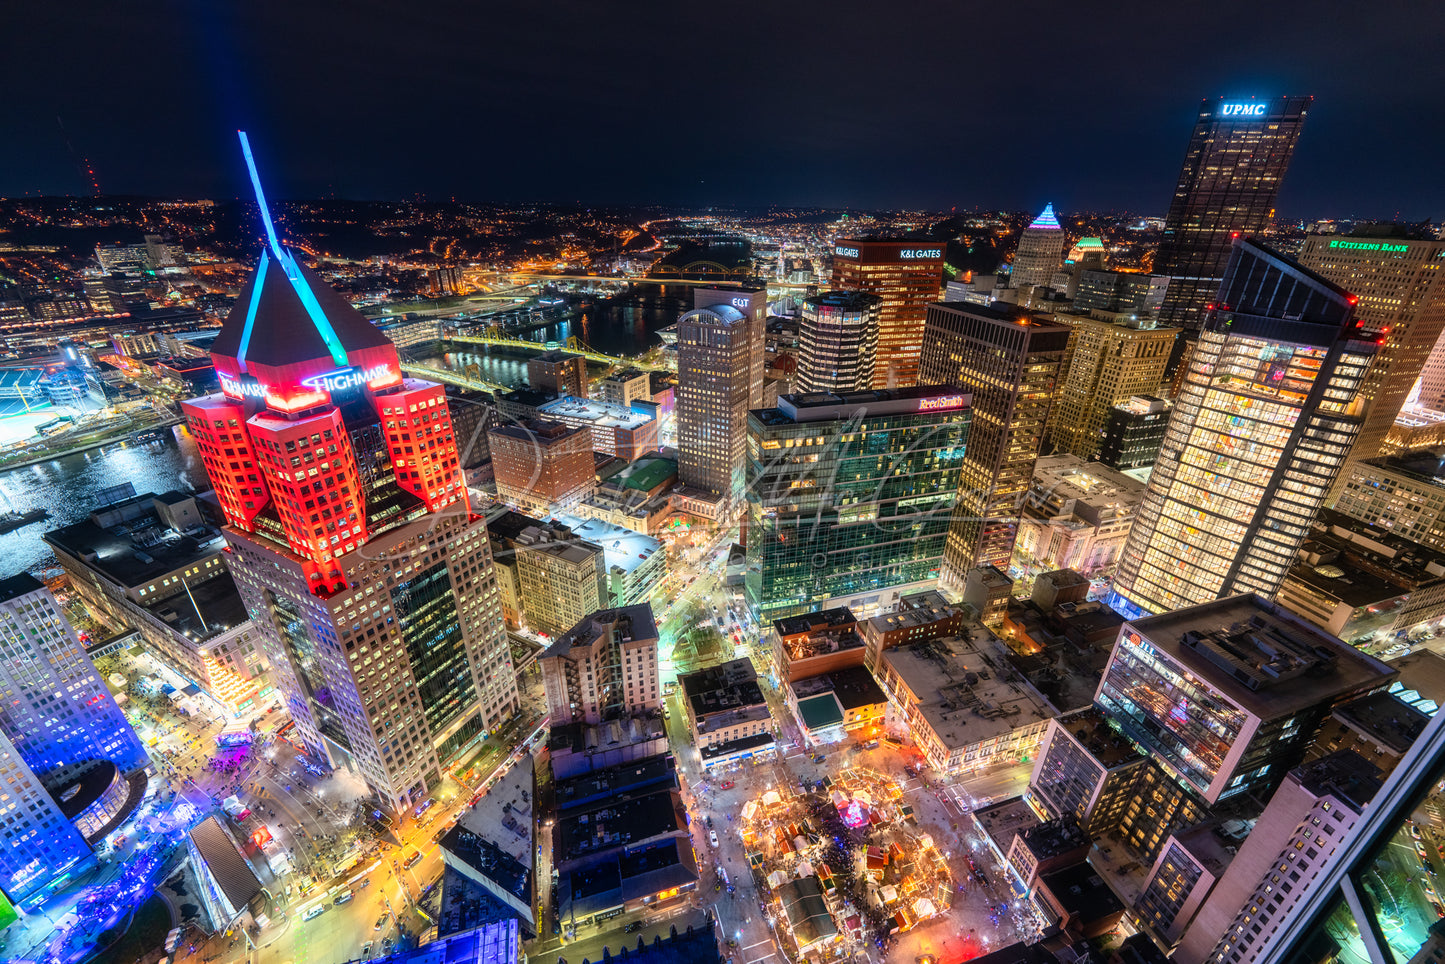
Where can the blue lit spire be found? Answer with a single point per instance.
(289, 268)
(1045, 220)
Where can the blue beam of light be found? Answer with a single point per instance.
(289, 267)
(251, 309)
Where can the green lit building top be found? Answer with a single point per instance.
(849, 496)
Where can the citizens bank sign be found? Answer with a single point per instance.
(1242, 110)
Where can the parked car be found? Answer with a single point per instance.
(712, 837)
(314, 912)
(726, 785)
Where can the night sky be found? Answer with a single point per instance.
(885, 104)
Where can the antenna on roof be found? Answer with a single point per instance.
(289, 266)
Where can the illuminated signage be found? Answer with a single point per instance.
(911, 254)
(242, 387)
(1370, 246)
(344, 378)
(741, 303)
(941, 404)
(1242, 110)
(843, 252)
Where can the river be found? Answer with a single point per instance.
(71, 486)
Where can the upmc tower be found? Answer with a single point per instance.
(351, 538)
(1237, 157)
(907, 276)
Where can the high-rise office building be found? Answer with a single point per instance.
(1268, 412)
(1107, 363)
(1397, 279)
(1009, 361)
(58, 713)
(714, 386)
(561, 578)
(1133, 432)
(541, 465)
(752, 301)
(1040, 251)
(625, 387)
(849, 497)
(1236, 159)
(353, 546)
(1312, 812)
(838, 342)
(59, 723)
(559, 372)
(603, 668)
(1404, 495)
(907, 276)
(1229, 694)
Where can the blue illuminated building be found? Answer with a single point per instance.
(59, 726)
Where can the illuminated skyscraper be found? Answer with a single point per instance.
(1009, 360)
(838, 342)
(907, 276)
(1040, 251)
(753, 303)
(1269, 410)
(59, 722)
(352, 542)
(714, 384)
(1232, 170)
(849, 497)
(1397, 280)
(1108, 363)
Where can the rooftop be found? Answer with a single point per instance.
(1344, 774)
(725, 688)
(595, 412)
(1252, 651)
(616, 781)
(536, 431)
(1004, 820)
(225, 862)
(918, 609)
(466, 904)
(19, 585)
(623, 550)
(139, 547)
(493, 838)
(966, 691)
(1090, 728)
(495, 942)
(628, 622)
(824, 406)
(647, 473)
(1054, 837)
(1081, 892)
(817, 620)
(623, 822)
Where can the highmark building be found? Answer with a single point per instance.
(850, 497)
(352, 541)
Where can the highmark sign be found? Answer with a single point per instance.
(242, 387)
(344, 378)
(1241, 110)
(1384, 246)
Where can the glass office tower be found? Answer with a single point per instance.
(849, 496)
(1269, 411)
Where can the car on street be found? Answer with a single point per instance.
(314, 912)
(381, 922)
(726, 785)
(342, 897)
(632, 928)
(366, 949)
(412, 859)
(712, 837)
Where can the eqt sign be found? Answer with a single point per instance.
(1241, 110)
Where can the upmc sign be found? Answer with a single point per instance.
(1242, 110)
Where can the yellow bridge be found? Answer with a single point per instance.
(493, 337)
(471, 375)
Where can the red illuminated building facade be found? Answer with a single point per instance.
(351, 538)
